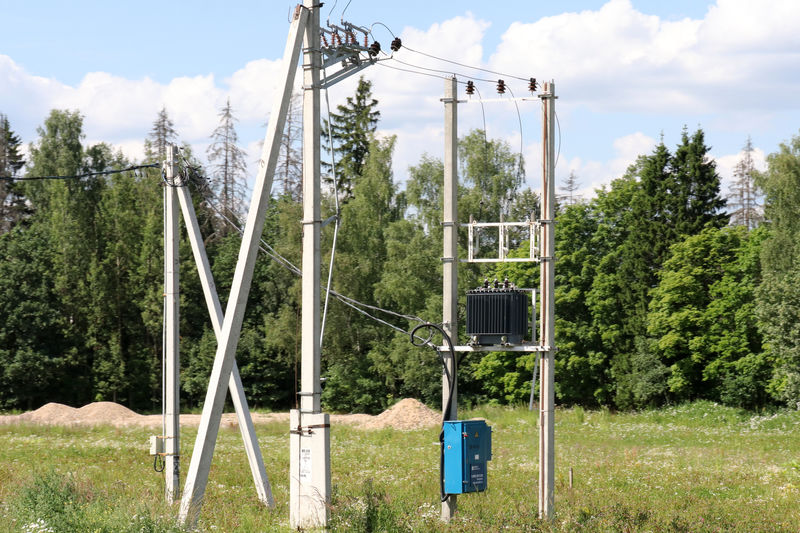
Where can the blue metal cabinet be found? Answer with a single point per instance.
(467, 448)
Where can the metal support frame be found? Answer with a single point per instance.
(172, 483)
(547, 313)
(203, 452)
(450, 249)
(502, 242)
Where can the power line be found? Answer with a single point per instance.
(79, 176)
(272, 253)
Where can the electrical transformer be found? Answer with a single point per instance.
(467, 448)
(497, 315)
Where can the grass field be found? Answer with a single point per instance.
(696, 467)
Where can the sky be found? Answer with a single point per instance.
(627, 73)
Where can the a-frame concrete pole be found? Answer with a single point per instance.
(450, 256)
(235, 386)
(547, 312)
(197, 477)
(309, 439)
(172, 482)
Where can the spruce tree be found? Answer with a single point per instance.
(228, 166)
(162, 134)
(352, 129)
(12, 202)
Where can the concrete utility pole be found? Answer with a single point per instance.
(172, 485)
(450, 257)
(547, 312)
(309, 439)
(200, 465)
(235, 386)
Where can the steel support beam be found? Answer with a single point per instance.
(203, 452)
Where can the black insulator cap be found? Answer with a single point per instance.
(532, 85)
(374, 48)
(396, 44)
(470, 88)
(501, 86)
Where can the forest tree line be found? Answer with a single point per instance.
(668, 289)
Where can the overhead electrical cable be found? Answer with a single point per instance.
(79, 176)
(268, 250)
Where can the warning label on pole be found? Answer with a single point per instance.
(305, 463)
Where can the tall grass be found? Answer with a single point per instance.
(694, 467)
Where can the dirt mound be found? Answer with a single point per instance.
(405, 414)
(104, 413)
(51, 414)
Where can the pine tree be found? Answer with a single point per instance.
(12, 202)
(568, 188)
(743, 196)
(162, 134)
(352, 128)
(228, 166)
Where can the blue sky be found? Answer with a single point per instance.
(626, 72)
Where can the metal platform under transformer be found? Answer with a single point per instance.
(497, 348)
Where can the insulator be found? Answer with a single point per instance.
(470, 88)
(325, 40)
(366, 42)
(351, 37)
(532, 85)
(374, 48)
(496, 284)
(501, 87)
(505, 283)
(337, 39)
(396, 44)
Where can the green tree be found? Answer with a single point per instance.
(12, 202)
(778, 296)
(352, 128)
(361, 257)
(703, 325)
(162, 134)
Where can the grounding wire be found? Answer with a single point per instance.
(336, 219)
(79, 176)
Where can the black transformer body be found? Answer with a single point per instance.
(497, 315)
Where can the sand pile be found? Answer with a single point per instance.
(404, 415)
